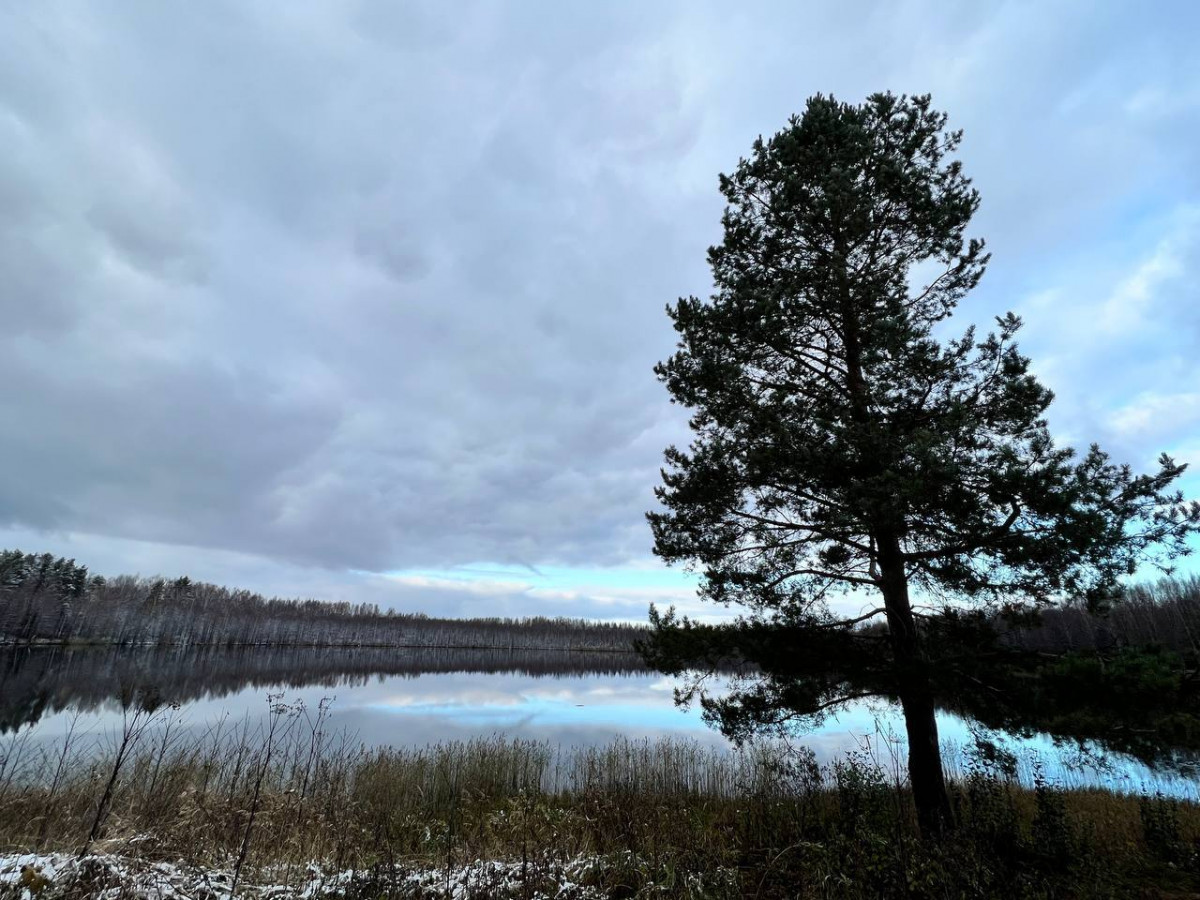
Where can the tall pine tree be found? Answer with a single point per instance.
(839, 445)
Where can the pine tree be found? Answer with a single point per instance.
(839, 445)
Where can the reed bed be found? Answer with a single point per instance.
(270, 801)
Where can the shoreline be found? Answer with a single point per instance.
(666, 819)
(247, 645)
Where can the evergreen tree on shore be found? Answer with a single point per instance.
(840, 446)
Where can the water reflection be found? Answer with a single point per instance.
(426, 696)
(383, 696)
(38, 681)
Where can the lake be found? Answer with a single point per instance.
(420, 697)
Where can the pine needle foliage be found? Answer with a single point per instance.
(840, 444)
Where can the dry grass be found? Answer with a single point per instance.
(670, 817)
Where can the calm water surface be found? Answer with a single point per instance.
(419, 697)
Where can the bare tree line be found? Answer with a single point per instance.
(1163, 613)
(47, 599)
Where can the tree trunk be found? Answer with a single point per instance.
(934, 815)
(925, 775)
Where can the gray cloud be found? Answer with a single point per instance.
(376, 286)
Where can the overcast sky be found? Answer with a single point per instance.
(360, 301)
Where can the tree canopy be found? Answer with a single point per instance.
(840, 443)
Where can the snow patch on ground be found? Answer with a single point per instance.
(46, 876)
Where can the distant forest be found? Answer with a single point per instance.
(1164, 613)
(47, 599)
(52, 600)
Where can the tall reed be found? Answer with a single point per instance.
(281, 795)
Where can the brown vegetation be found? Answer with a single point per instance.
(669, 818)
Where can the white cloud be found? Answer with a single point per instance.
(1132, 301)
(292, 293)
(1152, 415)
(465, 585)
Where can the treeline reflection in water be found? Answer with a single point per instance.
(419, 697)
(35, 682)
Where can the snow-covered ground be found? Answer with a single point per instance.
(46, 876)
